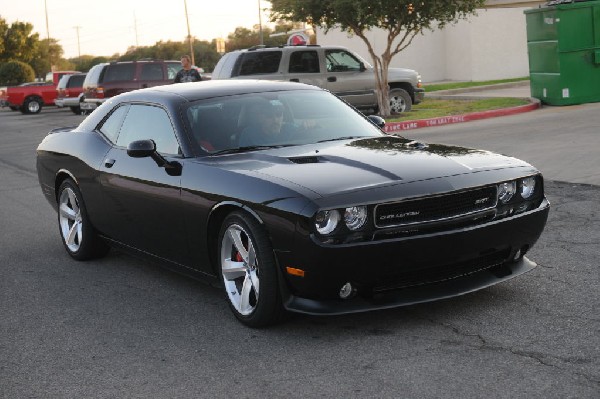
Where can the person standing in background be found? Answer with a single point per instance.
(187, 73)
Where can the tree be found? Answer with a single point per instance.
(402, 19)
(17, 42)
(14, 73)
(205, 53)
(49, 54)
(86, 62)
(243, 38)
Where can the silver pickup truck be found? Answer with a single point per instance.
(333, 68)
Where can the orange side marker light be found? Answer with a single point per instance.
(295, 272)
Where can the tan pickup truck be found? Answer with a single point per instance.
(334, 68)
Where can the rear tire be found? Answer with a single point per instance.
(249, 271)
(32, 106)
(76, 110)
(76, 231)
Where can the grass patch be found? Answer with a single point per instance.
(464, 85)
(433, 108)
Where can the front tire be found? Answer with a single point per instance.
(76, 231)
(76, 110)
(400, 101)
(248, 271)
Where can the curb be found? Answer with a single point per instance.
(394, 127)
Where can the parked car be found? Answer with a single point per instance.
(70, 92)
(107, 80)
(334, 68)
(328, 216)
(29, 98)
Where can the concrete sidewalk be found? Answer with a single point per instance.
(514, 89)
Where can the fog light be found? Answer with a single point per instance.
(346, 291)
(517, 255)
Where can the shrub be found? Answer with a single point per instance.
(15, 72)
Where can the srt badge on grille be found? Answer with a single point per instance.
(481, 201)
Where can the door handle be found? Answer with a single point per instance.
(332, 79)
(109, 162)
(295, 80)
(144, 86)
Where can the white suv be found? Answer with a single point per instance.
(333, 68)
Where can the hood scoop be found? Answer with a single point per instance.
(417, 145)
(305, 160)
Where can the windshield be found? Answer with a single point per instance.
(273, 119)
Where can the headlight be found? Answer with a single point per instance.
(355, 217)
(506, 191)
(326, 221)
(527, 187)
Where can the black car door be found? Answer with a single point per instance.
(142, 202)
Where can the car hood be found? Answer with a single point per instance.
(395, 74)
(339, 167)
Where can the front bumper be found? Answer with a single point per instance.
(408, 270)
(412, 295)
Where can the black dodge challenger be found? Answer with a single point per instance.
(288, 199)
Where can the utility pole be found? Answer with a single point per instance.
(47, 26)
(78, 44)
(137, 42)
(48, 35)
(260, 24)
(189, 34)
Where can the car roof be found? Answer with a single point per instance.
(217, 88)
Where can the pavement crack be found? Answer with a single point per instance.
(540, 358)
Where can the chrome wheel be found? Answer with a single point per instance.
(240, 269)
(76, 231)
(33, 106)
(70, 221)
(400, 101)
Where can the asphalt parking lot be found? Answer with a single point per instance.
(122, 327)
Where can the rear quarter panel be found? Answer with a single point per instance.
(74, 154)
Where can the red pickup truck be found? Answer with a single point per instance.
(30, 98)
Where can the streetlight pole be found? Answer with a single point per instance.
(189, 34)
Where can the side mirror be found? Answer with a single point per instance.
(377, 121)
(147, 148)
(141, 148)
(362, 67)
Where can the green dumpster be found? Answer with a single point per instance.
(563, 43)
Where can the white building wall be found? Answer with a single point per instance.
(490, 45)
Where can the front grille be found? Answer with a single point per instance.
(409, 278)
(437, 208)
(302, 160)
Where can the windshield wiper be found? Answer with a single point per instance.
(250, 148)
(342, 138)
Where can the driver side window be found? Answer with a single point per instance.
(149, 122)
(341, 61)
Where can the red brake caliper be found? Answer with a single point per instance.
(238, 257)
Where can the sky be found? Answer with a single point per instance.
(107, 27)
